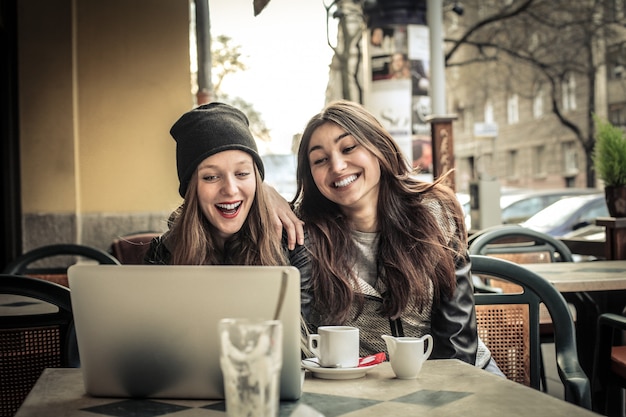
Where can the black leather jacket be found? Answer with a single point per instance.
(158, 253)
(453, 320)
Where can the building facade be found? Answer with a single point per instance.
(524, 91)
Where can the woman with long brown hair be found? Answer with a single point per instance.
(388, 252)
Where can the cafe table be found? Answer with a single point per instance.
(593, 287)
(569, 277)
(443, 388)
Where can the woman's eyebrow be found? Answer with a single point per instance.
(337, 139)
(215, 166)
(343, 135)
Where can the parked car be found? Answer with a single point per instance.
(464, 199)
(590, 232)
(520, 206)
(568, 214)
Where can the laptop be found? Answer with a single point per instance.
(151, 331)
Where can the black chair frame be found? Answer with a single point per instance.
(21, 263)
(22, 362)
(606, 385)
(486, 242)
(480, 243)
(49, 292)
(537, 290)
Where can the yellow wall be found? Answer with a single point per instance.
(101, 82)
(45, 106)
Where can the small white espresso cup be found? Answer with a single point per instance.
(335, 346)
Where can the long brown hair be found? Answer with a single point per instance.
(417, 250)
(192, 239)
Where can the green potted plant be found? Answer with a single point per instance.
(609, 158)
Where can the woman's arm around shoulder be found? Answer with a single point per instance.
(283, 217)
(301, 259)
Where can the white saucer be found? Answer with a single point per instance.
(335, 373)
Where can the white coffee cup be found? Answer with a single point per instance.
(335, 346)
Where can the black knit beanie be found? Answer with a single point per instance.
(207, 130)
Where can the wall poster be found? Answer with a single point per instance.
(398, 58)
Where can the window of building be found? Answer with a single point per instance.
(538, 100)
(454, 21)
(533, 42)
(568, 92)
(483, 10)
(614, 10)
(512, 109)
(617, 114)
(616, 63)
(471, 167)
(454, 72)
(468, 121)
(511, 164)
(570, 159)
(489, 112)
(539, 161)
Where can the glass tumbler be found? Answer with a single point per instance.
(251, 360)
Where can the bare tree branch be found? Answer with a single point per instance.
(534, 40)
(495, 18)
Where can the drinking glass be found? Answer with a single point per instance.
(251, 360)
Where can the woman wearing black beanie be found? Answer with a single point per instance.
(225, 218)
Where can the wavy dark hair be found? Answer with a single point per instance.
(256, 243)
(417, 251)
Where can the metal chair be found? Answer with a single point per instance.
(57, 274)
(520, 245)
(509, 326)
(36, 332)
(609, 371)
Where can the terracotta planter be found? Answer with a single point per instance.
(616, 200)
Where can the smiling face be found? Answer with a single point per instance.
(344, 171)
(226, 190)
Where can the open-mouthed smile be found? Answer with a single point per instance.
(228, 208)
(346, 181)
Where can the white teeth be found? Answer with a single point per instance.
(232, 206)
(346, 181)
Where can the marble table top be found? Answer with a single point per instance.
(443, 388)
(583, 276)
